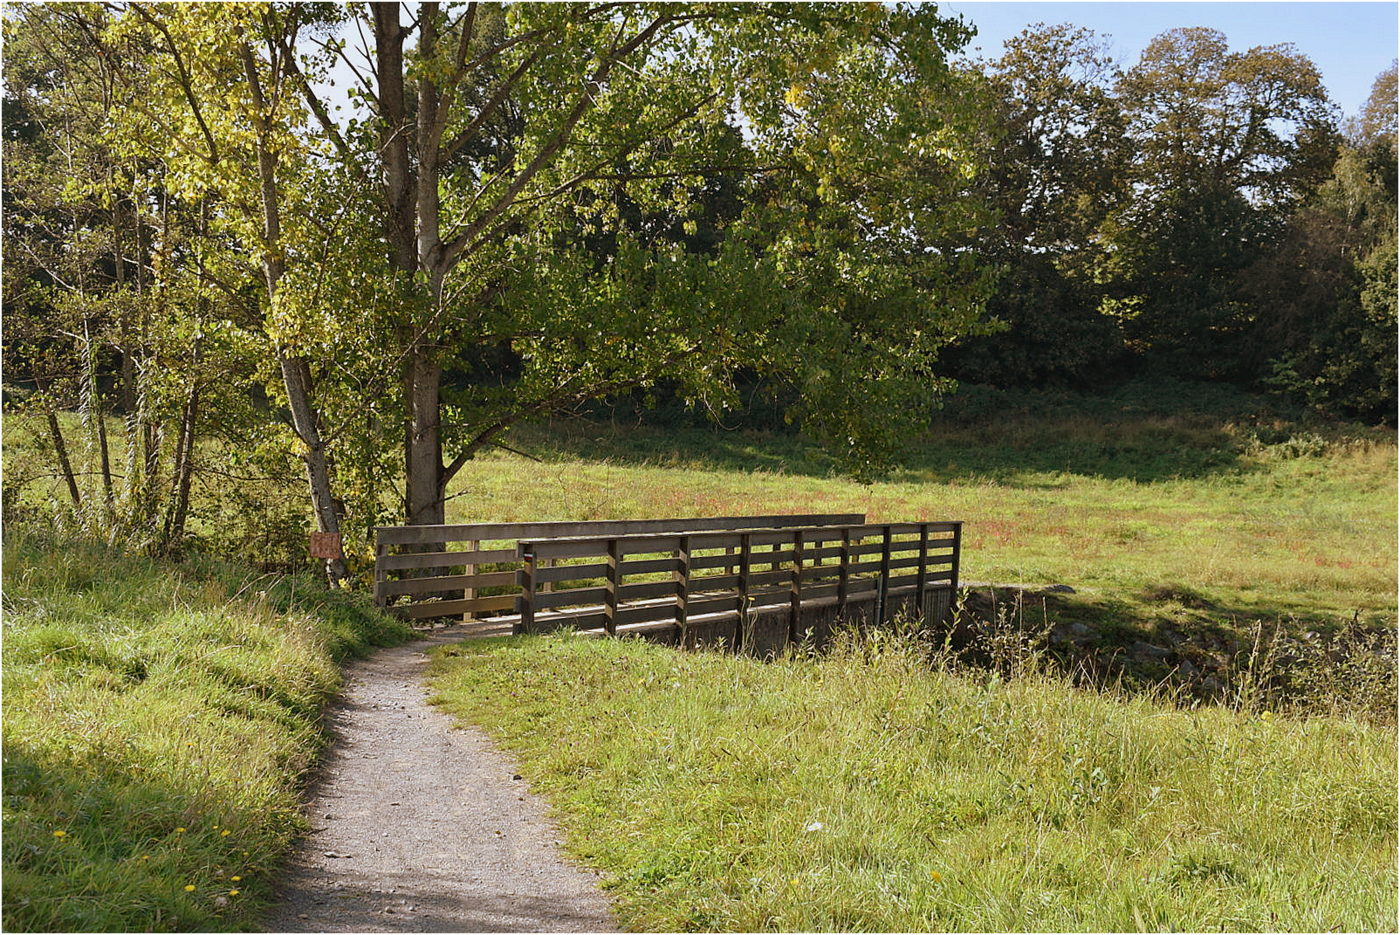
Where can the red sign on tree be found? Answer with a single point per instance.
(326, 545)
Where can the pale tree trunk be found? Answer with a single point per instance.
(296, 374)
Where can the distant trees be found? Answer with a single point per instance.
(1225, 145)
(1199, 211)
(1330, 286)
(1056, 173)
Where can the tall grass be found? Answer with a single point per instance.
(158, 721)
(869, 790)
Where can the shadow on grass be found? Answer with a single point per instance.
(1172, 640)
(130, 846)
(1145, 432)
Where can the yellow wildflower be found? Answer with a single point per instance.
(179, 830)
(233, 892)
(235, 879)
(224, 833)
(60, 834)
(935, 875)
(189, 887)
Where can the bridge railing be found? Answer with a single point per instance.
(722, 580)
(470, 570)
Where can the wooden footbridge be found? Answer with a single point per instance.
(752, 582)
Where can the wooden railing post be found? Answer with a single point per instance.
(745, 554)
(921, 583)
(381, 574)
(682, 579)
(795, 598)
(610, 589)
(469, 593)
(527, 590)
(957, 552)
(882, 599)
(843, 579)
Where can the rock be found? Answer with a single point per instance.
(1080, 630)
(1057, 589)
(1211, 684)
(1187, 669)
(1149, 651)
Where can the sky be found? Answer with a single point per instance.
(1351, 43)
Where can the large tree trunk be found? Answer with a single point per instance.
(423, 495)
(410, 227)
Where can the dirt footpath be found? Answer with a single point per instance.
(418, 826)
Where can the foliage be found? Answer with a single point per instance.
(867, 789)
(1056, 172)
(1226, 144)
(1331, 287)
(159, 720)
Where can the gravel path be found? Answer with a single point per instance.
(418, 826)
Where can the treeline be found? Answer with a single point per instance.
(1204, 212)
(345, 244)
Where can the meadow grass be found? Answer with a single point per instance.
(159, 719)
(868, 789)
(1128, 497)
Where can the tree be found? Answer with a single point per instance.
(1329, 337)
(492, 130)
(1055, 174)
(1226, 145)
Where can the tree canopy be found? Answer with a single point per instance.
(373, 238)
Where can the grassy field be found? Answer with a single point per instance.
(867, 790)
(159, 719)
(1120, 495)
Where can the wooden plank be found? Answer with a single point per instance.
(527, 593)
(633, 545)
(571, 572)
(614, 575)
(646, 566)
(758, 579)
(713, 561)
(571, 597)
(380, 575)
(413, 535)
(452, 608)
(646, 589)
(646, 613)
(446, 559)
(682, 582)
(795, 598)
(707, 604)
(700, 583)
(492, 579)
(583, 620)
